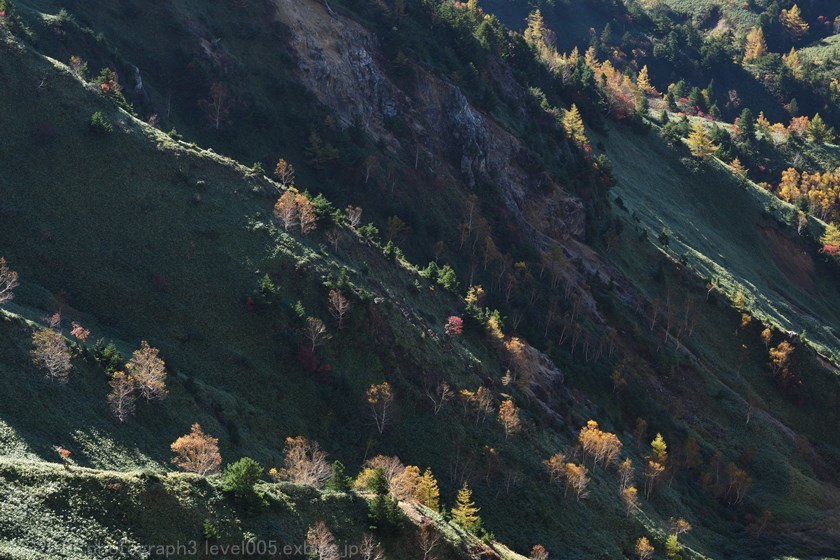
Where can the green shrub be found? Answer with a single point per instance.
(99, 124)
(107, 356)
(339, 481)
(210, 532)
(384, 514)
(448, 279)
(239, 478)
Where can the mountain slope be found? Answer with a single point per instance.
(142, 237)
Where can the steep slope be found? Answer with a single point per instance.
(189, 239)
(107, 208)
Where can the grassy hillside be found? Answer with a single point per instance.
(726, 232)
(51, 512)
(139, 236)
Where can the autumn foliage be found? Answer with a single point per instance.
(294, 209)
(51, 353)
(197, 452)
(304, 462)
(603, 447)
(148, 372)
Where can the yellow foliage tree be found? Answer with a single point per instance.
(465, 512)
(659, 449)
(700, 143)
(643, 81)
(793, 63)
(793, 23)
(573, 125)
(756, 45)
(427, 492)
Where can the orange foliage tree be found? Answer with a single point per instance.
(197, 452)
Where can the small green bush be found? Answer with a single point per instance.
(339, 481)
(239, 478)
(99, 124)
(385, 514)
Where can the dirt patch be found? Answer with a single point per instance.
(796, 264)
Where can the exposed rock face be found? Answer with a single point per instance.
(335, 61)
(339, 61)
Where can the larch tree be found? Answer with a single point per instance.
(427, 491)
(379, 398)
(509, 417)
(465, 512)
(285, 172)
(795, 26)
(818, 132)
(793, 63)
(659, 449)
(148, 372)
(643, 81)
(286, 210)
(756, 45)
(673, 548)
(339, 306)
(536, 33)
(404, 485)
(122, 397)
(700, 143)
(304, 462)
(197, 452)
(573, 125)
(8, 282)
(51, 353)
(738, 168)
